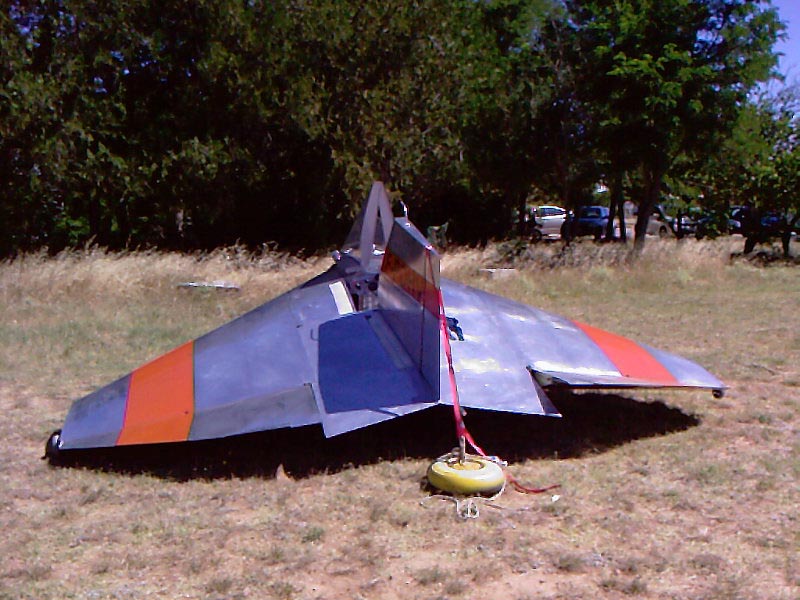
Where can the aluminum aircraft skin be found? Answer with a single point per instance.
(359, 344)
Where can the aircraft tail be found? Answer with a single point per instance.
(408, 295)
(389, 347)
(372, 228)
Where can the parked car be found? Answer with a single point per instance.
(736, 218)
(720, 222)
(664, 225)
(773, 222)
(592, 220)
(544, 222)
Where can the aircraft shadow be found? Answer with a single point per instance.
(591, 423)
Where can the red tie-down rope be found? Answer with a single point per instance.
(461, 429)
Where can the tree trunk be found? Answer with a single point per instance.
(623, 227)
(617, 208)
(786, 236)
(612, 214)
(522, 207)
(652, 191)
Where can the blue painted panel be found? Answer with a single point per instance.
(362, 365)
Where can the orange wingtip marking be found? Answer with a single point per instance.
(160, 403)
(629, 357)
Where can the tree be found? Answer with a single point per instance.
(134, 122)
(388, 88)
(201, 123)
(194, 124)
(529, 135)
(774, 174)
(671, 77)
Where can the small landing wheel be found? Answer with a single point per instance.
(52, 449)
(475, 475)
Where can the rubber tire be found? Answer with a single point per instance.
(475, 476)
(52, 449)
(536, 236)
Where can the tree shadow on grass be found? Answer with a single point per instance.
(591, 423)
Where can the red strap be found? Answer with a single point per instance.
(527, 490)
(461, 428)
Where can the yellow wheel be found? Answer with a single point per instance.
(476, 475)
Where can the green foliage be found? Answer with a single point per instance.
(383, 86)
(774, 173)
(178, 124)
(669, 78)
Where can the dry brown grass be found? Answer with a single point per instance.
(665, 494)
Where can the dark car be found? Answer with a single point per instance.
(772, 222)
(592, 220)
(713, 223)
(735, 221)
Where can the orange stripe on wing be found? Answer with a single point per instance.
(629, 357)
(160, 402)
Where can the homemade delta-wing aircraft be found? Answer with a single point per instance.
(360, 344)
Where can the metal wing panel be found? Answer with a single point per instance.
(150, 413)
(290, 408)
(503, 336)
(259, 360)
(490, 364)
(254, 373)
(636, 365)
(688, 373)
(95, 421)
(366, 375)
(362, 365)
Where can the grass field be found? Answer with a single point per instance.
(664, 494)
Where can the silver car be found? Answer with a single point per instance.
(664, 225)
(544, 222)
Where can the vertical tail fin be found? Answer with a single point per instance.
(408, 294)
